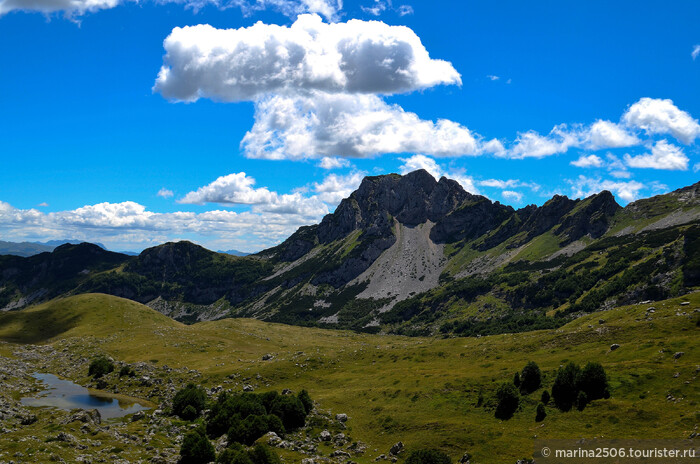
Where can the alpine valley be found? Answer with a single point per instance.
(394, 327)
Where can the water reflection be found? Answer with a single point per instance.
(64, 394)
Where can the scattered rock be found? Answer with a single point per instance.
(614, 346)
(685, 303)
(325, 436)
(248, 388)
(138, 416)
(466, 457)
(396, 449)
(678, 354)
(341, 417)
(267, 357)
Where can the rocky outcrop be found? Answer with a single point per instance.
(591, 217)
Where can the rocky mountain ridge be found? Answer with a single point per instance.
(402, 253)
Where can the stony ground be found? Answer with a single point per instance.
(31, 435)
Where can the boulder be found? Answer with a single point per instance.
(396, 449)
(614, 346)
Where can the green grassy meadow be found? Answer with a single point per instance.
(422, 391)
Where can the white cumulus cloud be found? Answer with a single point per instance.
(590, 161)
(328, 162)
(606, 134)
(334, 187)
(663, 155)
(696, 52)
(358, 126)
(247, 63)
(658, 116)
(165, 193)
(512, 195)
(626, 191)
(416, 162)
(237, 189)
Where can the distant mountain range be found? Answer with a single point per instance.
(409, 255)
(34, 248)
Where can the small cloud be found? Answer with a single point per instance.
(165, 193)
(696, 168)
(328, 162)
(509, 81)
(512, 195)
(621, 174)
(591, 161)
(493, 78)
(43, 204)
(404, 10)
(696, 52)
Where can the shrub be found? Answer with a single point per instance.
(564, 390)
(581, 400)
(306, 401)
(516, 379)
(236, 454)
(545, 397)
(262, 454)
(100, 366)
(575, 386)
(233, 456)
(508, 400)
(126, 371)
(193, 396)
(541, 413)
(593, 381)
(428, 456)
(196, 448)
(290, 409)
(189, 413)
(531, 377)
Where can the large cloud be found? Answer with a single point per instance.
(323, 124)
(663, 155)
(237, 189)
(657, 116)
(247, 63)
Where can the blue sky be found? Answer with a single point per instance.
(121, 125)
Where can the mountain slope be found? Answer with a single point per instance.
(413, 255)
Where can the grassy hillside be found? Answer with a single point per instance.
(422, 391)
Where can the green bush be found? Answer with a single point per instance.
(508, 401)
(428, 456)
(100, 366)
(576, 386)
(306, 401)
(291, 410)
(262, 454)
(531, 378)
(192, 396)
(581, 400)
(236, 454)
(541, 413)
(196, 448)
(545, 397)
(564, 390)
(516, 379)
(593, 381)
(126, 371)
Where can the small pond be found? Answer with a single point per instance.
(64, 394)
